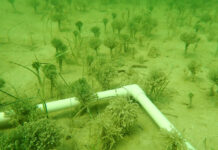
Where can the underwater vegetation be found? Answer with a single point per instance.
(174, 141)
(56, 49)
(156, 85)
(121, 117)
(83, 92)
(213, 76)
(41, 134)
(188, 38)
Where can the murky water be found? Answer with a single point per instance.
(56, 49)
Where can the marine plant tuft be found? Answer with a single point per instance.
(188, 38)
(156, 84)
(111, 43)
(37, 135)
(96, 31)
(95, 43)
(117, 121)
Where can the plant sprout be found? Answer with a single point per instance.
(133, 28)
(105, 22)
(125, 38)
(153, 52)
(69, 2)
(206, 18)
(118, 25)
(50, 73)
(83, 92)
(213, 76)
(216, 53)
(95, 43)
(81, 5)
(114, 15)
(2, 83)
(75, 34)
(194, 68)
(188, 38)
(96, 31)
(196, 43)
(59, 17)
(61, 49)
(60, 56)
(58, 44)
(148, 25)
(36, 65)
(197, 26)
(134, 25)
(190, 95)
(128, 13)
(111, 43)
(34, 4)
(79, 25)
(89, 60)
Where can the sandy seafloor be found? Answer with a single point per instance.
(198, 124)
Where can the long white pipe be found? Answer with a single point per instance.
(132, 90)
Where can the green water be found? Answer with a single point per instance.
(56, 49)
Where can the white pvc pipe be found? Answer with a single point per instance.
(132, 90)
(3, 118)
(73, 102)
(112, 93)
(153, 111)
(69, 102)
(60, 104)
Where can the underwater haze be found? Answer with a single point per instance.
(56, 49)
